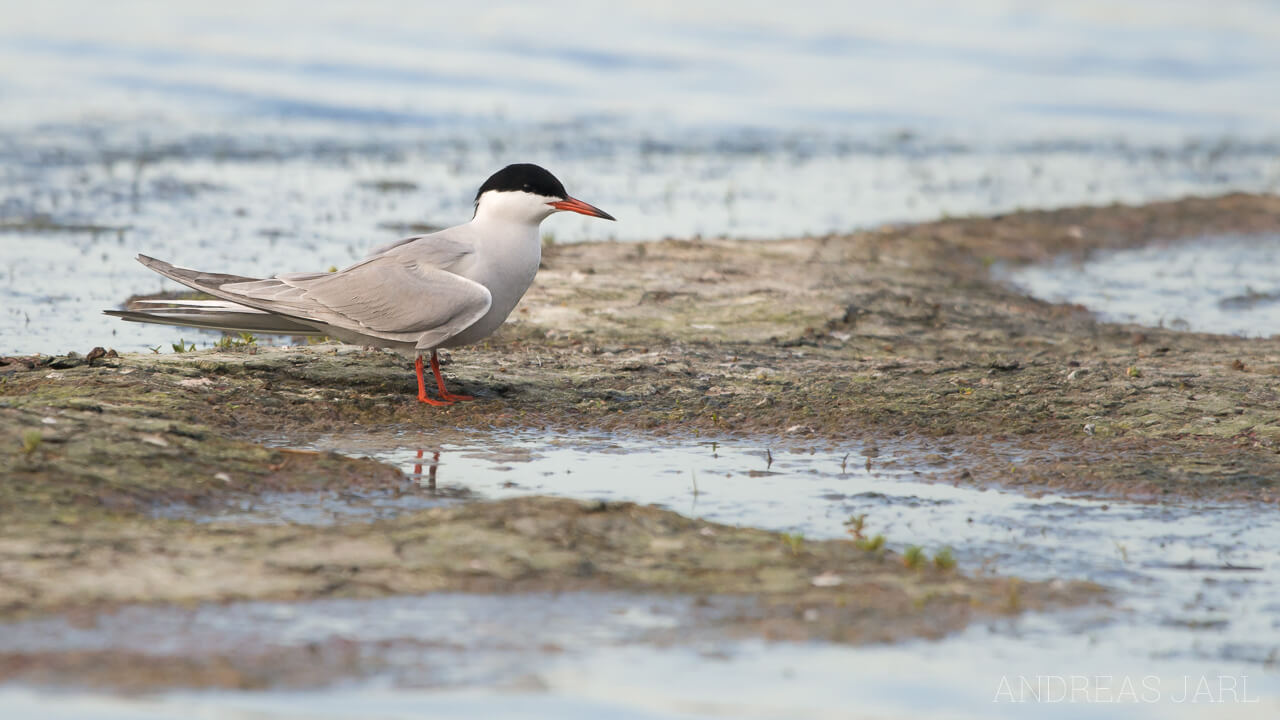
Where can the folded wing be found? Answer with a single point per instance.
(390, 296)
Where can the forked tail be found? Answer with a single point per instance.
(213, 315)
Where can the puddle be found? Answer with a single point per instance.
(1228, 285)
(314, 508)
(438, 640)
(1195, 603)
(1197, 582)
(1181, 569)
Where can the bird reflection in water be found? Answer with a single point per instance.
(430, 481)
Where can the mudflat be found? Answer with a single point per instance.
(901, 332)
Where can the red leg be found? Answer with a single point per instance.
(422, 383)
(435, 368)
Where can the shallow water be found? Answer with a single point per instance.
(255, 140)
(439, 640)
(743, 680)
(1180, 567)
(1196, 587)
(317, 508)
(1228, 285)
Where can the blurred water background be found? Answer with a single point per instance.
(257, 137)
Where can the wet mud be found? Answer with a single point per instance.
(832, 590)
(898, 333)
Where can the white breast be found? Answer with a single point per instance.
(505, 262)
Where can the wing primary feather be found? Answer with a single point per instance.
(389, 296)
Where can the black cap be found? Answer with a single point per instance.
(524, 177)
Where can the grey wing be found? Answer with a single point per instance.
(389, 296)
(441, 249)
(386, 296)
(388, 247)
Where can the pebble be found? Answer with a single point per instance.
(826, 579)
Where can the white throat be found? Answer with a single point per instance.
(512, 207)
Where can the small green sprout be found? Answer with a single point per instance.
(913, 558)
(870, 544)
(1013, 597)
(944, 560)
(855, 524)
(794, 541)
(244, 339)
(31, 440)
(182, 346)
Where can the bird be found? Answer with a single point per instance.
(414, 296)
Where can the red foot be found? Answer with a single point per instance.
(422, 384)
(445, 394)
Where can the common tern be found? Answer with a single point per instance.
(447, 289)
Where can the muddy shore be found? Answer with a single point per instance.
(898, 333)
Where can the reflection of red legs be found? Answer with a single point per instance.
(444, 394)
(422, 383)
(431, 473)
